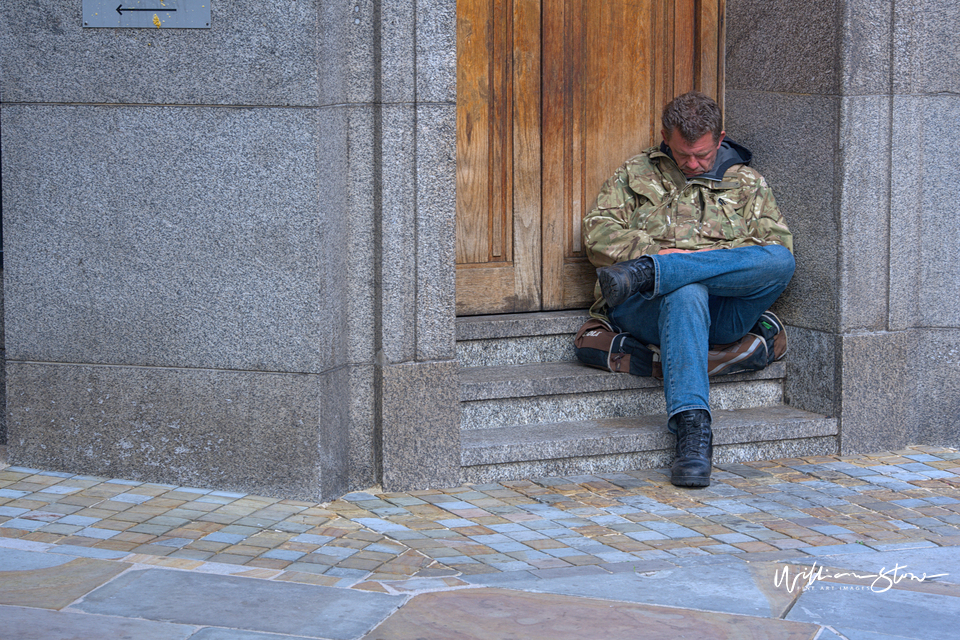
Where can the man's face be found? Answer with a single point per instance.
(693, 158)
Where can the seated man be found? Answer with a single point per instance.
(691, 249)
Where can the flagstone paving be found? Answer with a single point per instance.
(812, 506)
(97, 551)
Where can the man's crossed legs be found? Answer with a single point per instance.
(691, 301)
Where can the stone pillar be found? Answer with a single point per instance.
(417, 373)
(173, 218)
(851, 112)
(924, 272)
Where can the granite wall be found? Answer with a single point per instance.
(219, 240)
(3, 369)
(852, 110)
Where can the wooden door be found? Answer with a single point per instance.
(552, 96)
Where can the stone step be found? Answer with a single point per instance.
(517, 338)
(528, 394)
(553, 378)
(616, 443)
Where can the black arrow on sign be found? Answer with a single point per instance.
(121, 9)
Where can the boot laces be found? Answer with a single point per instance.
(694, 440)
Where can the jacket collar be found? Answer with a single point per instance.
(729, 154)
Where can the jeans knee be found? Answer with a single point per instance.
(689, 299)
(781, 261)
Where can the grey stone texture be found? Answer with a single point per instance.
(879, 399)
(863, 180)
(782, 47)
(654, 459)
(268, 199)
(787, 135)
(436, 50)
(925, 51)
(397, 282)
(520, 324)
(170, 236)
(348, 51)
(518, 338)
(508, 410)
(864, 203)
(349, 451)
(813, 379)
(397, 56)
(419, 426)
(555, 378)
(253, 54)
(184, 597)
(233, 430)
(938, 385)
(353, 240)
(436, 230)
(492, 352)
(3, 366)
(640, 434)
(866, 44)
(925, 234)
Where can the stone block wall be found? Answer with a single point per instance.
(852, 112)
(163, 236)
(228, 247)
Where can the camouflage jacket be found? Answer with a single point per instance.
(649, 205)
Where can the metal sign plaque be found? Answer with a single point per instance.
(147, 14)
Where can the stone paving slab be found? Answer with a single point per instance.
(494, 614)
(40, 624)
(732, 587)
(55, 587)
(913, 615)
(191, 598)
(855, 634)
(900, 566)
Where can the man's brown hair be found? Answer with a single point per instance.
(693, 114)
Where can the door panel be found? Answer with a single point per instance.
(553, 95)
(498, 156)
(598, 97)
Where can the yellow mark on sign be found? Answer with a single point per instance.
(156, 20)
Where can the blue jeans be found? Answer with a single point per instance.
(699, 299)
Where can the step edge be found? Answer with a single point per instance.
(558, 378)
(516, 325)
(650, 435)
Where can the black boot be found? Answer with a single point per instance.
(620, 281)
(691, 467)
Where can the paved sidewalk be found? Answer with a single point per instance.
(574, 557)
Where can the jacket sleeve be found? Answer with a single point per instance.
(767, 225)
(612, 230)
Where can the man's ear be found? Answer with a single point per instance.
(663, 134)
(720, 141)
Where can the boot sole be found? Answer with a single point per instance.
(690, 481)
(612, 287)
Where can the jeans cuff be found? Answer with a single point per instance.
(653, 293)
(686, 408)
